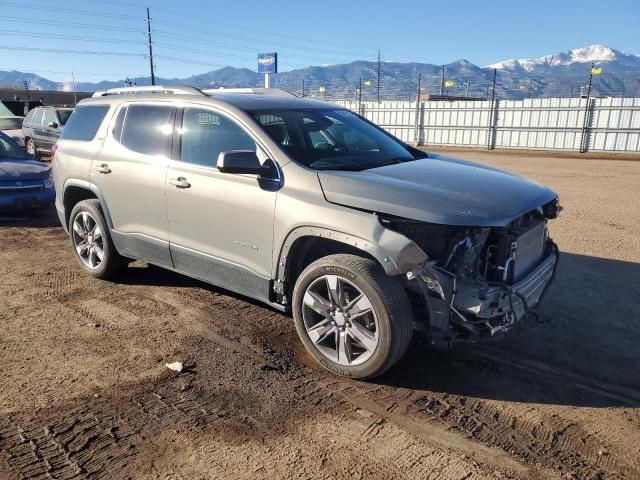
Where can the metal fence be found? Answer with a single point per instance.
(596, 124)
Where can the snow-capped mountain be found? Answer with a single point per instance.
(598, 54)
(557, 75)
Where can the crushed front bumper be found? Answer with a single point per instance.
(468, 310)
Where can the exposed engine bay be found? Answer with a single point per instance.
(479, 281)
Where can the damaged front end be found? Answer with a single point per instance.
(479, 281)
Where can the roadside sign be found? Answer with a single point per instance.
(367, 83)
(448, 83)
(322, 89)
(596, 70)
(268, 62)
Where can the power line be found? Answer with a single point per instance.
(67, 37)
(76, 52)
(71, 11)
(206, 32)
(91, 26)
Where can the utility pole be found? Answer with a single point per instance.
(73, 82)
(153, 77)
(441, 80)
(492, 111)
(303, 88)
(529, 89)
(360, 97)
(416, 132)
(378, 77)
(466, 89)
(583, 147)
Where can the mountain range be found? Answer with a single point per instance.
(558, 75)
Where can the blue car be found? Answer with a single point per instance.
(25, 183)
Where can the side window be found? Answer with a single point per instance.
(63, 116)
(205, 134)
(148, 129)
(117, 126)
(49, 116)
(29, 116)
(84, 122)
(36, 121)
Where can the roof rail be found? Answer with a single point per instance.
(274, 92)
(174, 89)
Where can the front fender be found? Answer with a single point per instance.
(393, 251)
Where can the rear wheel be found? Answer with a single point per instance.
(31, 149)
(92, 244)
(352, 318)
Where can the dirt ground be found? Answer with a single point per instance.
(84, 392)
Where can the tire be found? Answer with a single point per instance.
(31, 149)
(87, 223)
(388, 325)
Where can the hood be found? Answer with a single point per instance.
(438, 189)
(14, 170)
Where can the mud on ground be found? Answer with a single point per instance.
(84, 392)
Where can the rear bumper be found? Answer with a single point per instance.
(26, 200)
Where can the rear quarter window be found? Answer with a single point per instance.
(84, 122)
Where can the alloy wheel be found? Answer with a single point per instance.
(340, 320)
(31, 147)
(88, 240)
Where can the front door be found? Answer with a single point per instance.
(221, 224)
(49, 133)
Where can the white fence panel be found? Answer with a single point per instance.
(612, 124)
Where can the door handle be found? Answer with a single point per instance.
(104, 168)
(179, 182)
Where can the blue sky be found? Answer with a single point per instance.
(194, 36)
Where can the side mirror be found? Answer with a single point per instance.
(244, 162)
(52, 124)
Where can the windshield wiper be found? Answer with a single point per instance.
(391, 161)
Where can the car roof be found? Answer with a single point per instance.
(243, 101)
(259, 102)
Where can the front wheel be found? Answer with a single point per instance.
(353, 319)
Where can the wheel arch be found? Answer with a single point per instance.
(303, 245)
(76, 190)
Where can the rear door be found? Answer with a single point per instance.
(130, 173)
(221, 224)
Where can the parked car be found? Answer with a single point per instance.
(42, 127)
(25, 183)
(309, 208)
(12, 126)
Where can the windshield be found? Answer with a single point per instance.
(10, 149)
(331, 139)
(64, 115)
(11, 123)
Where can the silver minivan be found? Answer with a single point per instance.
(309, 208)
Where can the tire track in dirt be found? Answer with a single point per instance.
(460, 423)
(322, 390)
(532, 437)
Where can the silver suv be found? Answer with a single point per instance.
(309, 208)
